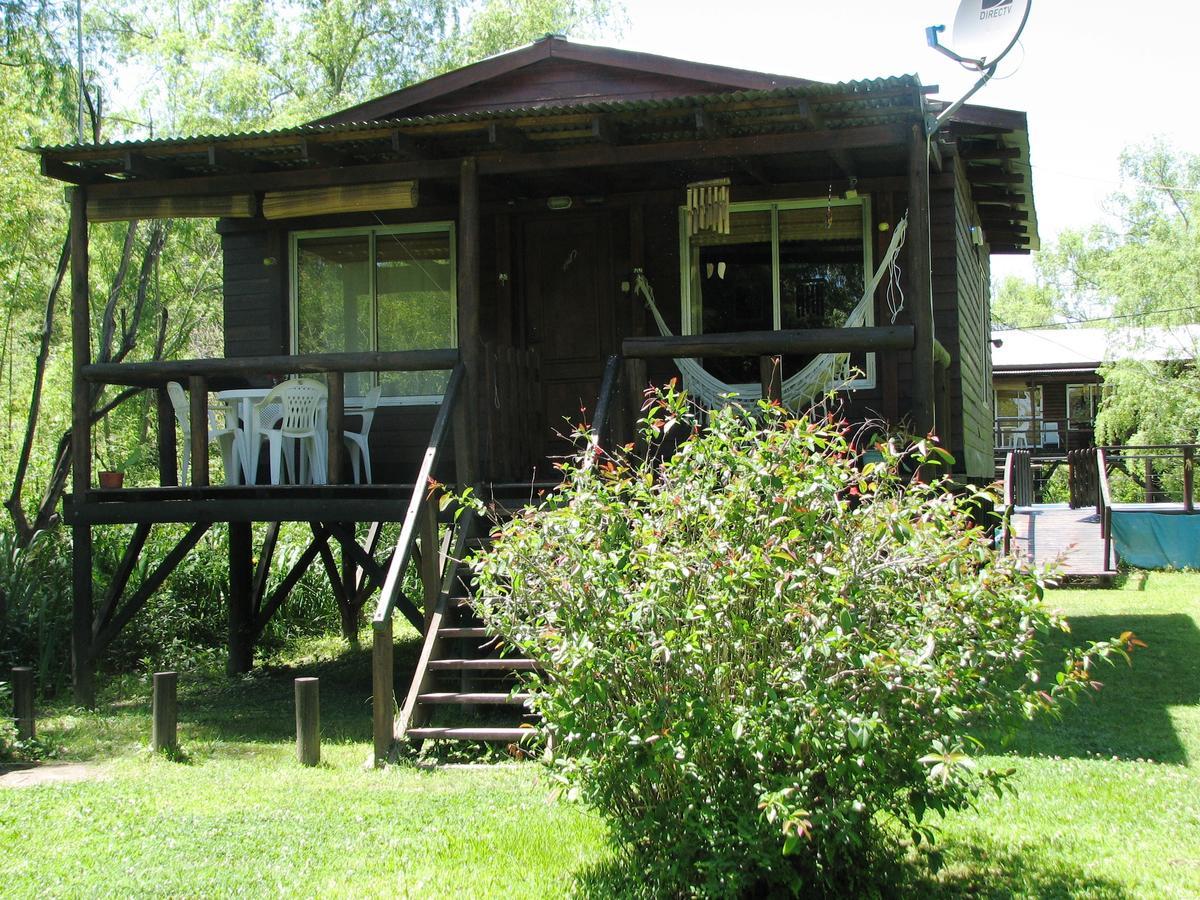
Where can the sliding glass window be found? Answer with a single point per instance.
(376, 289)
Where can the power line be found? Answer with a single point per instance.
(1073, 322)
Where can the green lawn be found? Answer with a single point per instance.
(1109, 801)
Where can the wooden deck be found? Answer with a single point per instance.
(1053, 533)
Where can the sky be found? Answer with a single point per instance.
(1095, 77)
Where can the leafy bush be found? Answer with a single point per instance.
(35, 607)
(766, 658)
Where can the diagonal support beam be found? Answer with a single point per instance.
(263, 570)
(121, 577)
(147, 588)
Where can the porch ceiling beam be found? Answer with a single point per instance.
(815, 120)
(996, 195)
(604, 129)
(1000, 211)
(294, 179)
(706, 125)
(53, 168)
(323, 154)
(1015, 217)
(139, 166)
(231, 160)
(993, 175)
(973, 151)
(406, 146)
(680, 151)
(762, 343)
(511, 140)
(832, 141)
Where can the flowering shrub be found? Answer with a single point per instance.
(766, 658)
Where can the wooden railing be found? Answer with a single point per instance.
(201, 375)
(420, 518)
(1083, 477)
(1152, 460)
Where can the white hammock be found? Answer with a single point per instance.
(821, 375)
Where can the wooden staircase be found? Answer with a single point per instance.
(462, 688)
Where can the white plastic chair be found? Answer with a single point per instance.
(223, 435)
(356, 441)
(302, 402)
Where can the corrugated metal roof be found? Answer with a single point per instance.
(851, 96)
(1028, 351)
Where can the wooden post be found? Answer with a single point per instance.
(168, 464)
(22, 686)
(241, 588)
(198, 419)
(335, 422)
(164, 712)
(1189, 453)
(82, 662)
(469, 440)
(308, 721)
(431, 569)
(383, 702)
(920, 303)
(770, 371)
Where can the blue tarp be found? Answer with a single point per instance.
(1156, 540)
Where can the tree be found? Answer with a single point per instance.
(183, 66)
(1140, 273)
(1023, 304)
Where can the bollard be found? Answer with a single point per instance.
(308, 721)
(164, 710)
(22, 685)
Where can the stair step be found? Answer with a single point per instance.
(464, 632)
(501, 665)
(471, 734)
(490, 699)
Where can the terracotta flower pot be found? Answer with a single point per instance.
(111, 480)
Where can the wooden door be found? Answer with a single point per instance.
(568, 293)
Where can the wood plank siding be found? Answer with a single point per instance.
(971, 374)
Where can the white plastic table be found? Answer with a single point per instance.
(241, 401)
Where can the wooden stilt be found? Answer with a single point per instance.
(241, 613)
(82, 652)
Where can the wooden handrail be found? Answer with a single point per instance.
(153, 374)
(772, 343)
(412, 516)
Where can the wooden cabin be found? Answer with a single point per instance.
(472, 244)
(1047, 381)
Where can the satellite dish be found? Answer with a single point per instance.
(985, 30)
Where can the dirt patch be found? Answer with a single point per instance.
(33, 774)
